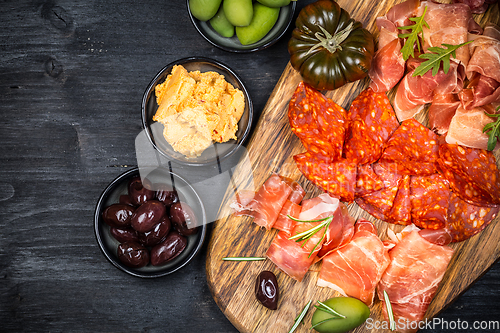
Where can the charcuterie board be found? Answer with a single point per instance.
(271, 149)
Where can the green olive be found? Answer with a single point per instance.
(263, 21)
(355, 312)
(238, 12)
(274, 3)
(221, 24)
(204, 10)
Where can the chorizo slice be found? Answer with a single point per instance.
(414, 148)
(367, 180)
(371, 121)
(429, 196)
(336, 178)
(318, 122)
(473, 173)
(465, 220)
(400, 212)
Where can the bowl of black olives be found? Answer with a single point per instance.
(150, 222)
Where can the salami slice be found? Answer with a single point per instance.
(414, 148)
(371, 122)
(466, 220)
(337, 178)
(318, 122)
(400, 212)
(380, 203)
(473, 173)
(367, 180)
(429, 197)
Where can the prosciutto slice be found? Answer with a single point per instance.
(388, 65)
(295, 258)
(483, 69)
(267, 203)
(356, 268)
(466, 127)
(441, 112)
(411, 280)
(291, 207)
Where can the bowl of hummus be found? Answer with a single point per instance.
(196, 111)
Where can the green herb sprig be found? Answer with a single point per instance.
(305, 235)
(323, 307)
(413, 36)
(300, 317)
(493, 130)
(392, 322)
(434, 60)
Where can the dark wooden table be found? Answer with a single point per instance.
(72, 75)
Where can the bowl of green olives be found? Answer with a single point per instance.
(150, 222)
(241, 25)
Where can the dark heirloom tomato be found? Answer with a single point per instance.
(328, 48)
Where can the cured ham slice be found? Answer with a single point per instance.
(388, 65)
(466, 127)
(411, 280)
(400, 13)
(441, 112)
(415, 91)
(472, 174)
(337, 178)
(414, 149)
(267, 203)
(295, 258)
(371, 122)
(318, 122)
(483, 69)
(356, 268)
(466, 220)
(449, 24)
(290, 208)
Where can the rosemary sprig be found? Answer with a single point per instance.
(243, 258)
(305, 235)
(434, 60)
(413, 36)
(388, 305)
(493, 130)
(299, 318)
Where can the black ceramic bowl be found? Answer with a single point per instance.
(119, 186)
(217, 151)
(232, 44)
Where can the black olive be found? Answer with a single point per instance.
(267, 290)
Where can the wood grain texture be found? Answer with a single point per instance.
(270, 150)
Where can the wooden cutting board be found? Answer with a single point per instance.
(270, 149)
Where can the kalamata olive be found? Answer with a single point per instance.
(183, 218)
(267, 290)
(167, 195)
(124, 235)
(138, 193)
(133, 254)
(157, 234)
(355, 312)
(167, 250)
(126, 200)
(118, 215)
(147, 215)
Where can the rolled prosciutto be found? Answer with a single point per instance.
(417, 266)
(356, 268)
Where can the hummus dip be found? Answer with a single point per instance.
(197, 109)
